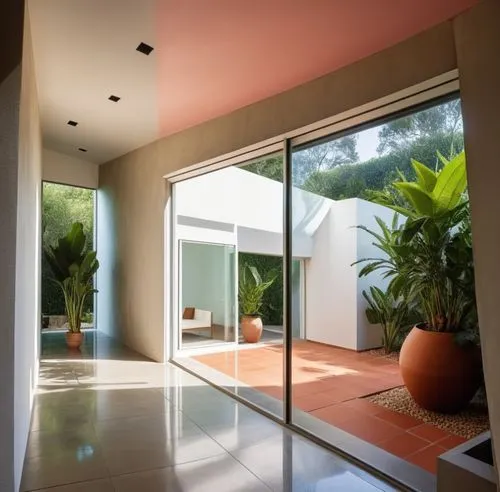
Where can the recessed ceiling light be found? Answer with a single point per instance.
(145, 48)
(72, 123)
(114, 98)
(81, 149)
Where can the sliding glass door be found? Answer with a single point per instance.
(229, 237)
(207, 301)
(273, 250)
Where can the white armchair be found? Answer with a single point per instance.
(202, 320)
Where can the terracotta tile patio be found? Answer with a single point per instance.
(330, 384)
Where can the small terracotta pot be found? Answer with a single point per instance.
(440, 375)
(74, 340)
(251, 328)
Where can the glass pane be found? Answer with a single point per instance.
(229, 224)
(345, 369)
(208, 296)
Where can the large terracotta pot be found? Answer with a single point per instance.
(74, 340)
(251, 327)
(440, 375)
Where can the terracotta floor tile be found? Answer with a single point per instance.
(451, 441)
(403, 445)
(427, 457)
(399, 419)
(429, 432)
(364, 406)
(304, 389)
(370, 429)
(335, 414)
(312, 402)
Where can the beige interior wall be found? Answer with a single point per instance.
(133, 193)
(11, 19)
(478, 53)
(64, 169)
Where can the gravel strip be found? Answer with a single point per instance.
(467, 424)
(380, 352)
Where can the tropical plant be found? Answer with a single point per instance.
(251, 290)
(428, 257)
(73, 269)
(392, 314)
(61, 207)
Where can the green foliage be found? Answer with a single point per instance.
(444, 119)
(358, 179)
(62, 206)
(73, 270)
(428, 257)
(390, 313)
(269, 167)
(272, 301)
(251, 290)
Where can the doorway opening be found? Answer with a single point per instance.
(63, 206)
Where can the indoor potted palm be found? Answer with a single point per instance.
(250, 293)
(428, 260)
(73, 270)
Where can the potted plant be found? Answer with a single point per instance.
(250, 293)
(428, 260)
(73, 270)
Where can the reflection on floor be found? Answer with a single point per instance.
(330, 383)
(203, 339)
(96, 345)
(122, 425)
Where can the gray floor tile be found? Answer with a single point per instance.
(219, 474)
(49, 471)
(150, 454)
(290, 463)
(93, 486)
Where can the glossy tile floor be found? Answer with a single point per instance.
(127, 425)
(330, 384)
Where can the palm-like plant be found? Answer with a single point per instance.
(429, 256)
(251, 290)
(73, 270)
(392, 314)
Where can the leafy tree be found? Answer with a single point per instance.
(309, 160)
(445, 119)
(269, 167)
(323, 157)
(358, 180)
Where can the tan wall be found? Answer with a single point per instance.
(65, 169)
(133, 192)
(478, 48)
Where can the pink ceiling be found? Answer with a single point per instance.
(219, 55)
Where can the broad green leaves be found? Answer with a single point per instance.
(428, 258)
(390, 313)
(73, 270)
(432, 194)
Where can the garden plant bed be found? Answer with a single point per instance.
(467, 424)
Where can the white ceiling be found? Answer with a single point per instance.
(85, 50)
